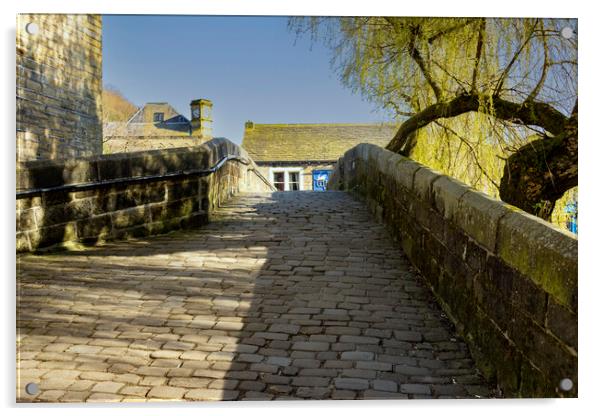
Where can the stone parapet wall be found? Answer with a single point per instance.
(128, 209)
(506, 278)
(121, 144)
(59, 86)
(150, 129)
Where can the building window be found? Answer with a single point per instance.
(293, 181)
(287, 179)
(158, 117)
(279, 182)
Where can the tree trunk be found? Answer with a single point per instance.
(540, 172)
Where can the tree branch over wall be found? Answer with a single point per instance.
(530, 113)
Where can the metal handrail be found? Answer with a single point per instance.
(85, 186)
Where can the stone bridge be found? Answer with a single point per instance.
(180, 275)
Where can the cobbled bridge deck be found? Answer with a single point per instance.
(285, 296)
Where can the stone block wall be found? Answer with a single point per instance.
(506, 278)
(126, 209)
(59, 86)
(133, 130)
(120, 144)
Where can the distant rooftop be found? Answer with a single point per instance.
(311, 142)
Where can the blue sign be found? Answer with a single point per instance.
(571, 222)
(320, 179)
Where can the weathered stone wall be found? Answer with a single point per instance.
(127, 210)
(120, 129)
(59, 85)
(118, 144)
(507, 278)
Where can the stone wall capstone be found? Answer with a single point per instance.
(506, 278)
(59, 86)
(125, 209)
(121, 144)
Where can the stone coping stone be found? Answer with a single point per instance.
(547, 254)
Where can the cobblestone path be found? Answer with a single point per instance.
(285, 296)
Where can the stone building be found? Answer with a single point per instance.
(160, 126)
(300, 157)
(59, 86)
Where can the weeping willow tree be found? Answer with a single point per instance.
(493, 100)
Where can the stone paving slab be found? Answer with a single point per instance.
(285, 296)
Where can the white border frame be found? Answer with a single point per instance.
(589, 61)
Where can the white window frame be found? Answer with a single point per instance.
(286, 171)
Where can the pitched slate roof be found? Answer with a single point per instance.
(311, 142)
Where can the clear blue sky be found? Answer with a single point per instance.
(252, 68)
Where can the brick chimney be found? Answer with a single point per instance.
(201, 120)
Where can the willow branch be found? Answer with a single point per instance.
(472, 151)
(398, 110)
(544, 71)
(449, 30)
(532, 113)
(416, 56)
(513, 60)
(479, 51)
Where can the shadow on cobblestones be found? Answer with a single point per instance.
(285, 296)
